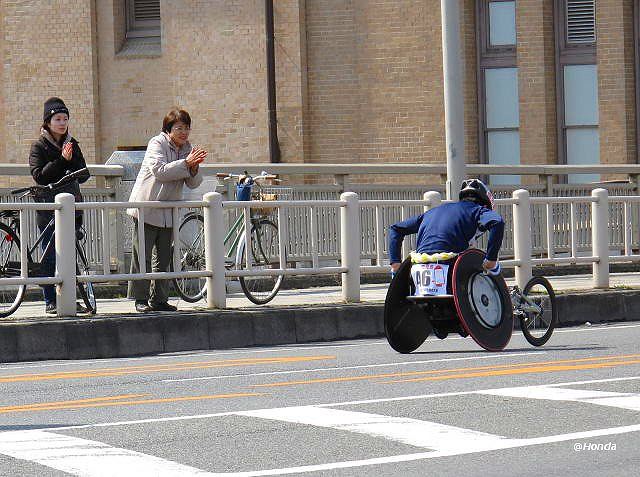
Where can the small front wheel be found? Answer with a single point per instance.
(538, 311)
(261, 289)
(85, 289)
(191, 251)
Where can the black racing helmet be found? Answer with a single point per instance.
(477, 189)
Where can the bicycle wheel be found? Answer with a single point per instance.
(537, 325)
(85, 289)
(191, 252)
(264, 255)
(10, 295)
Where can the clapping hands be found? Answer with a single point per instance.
(67, 151)
(195, 157)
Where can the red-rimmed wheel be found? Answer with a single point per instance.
(482, 302)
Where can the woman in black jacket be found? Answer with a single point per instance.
(54, 155)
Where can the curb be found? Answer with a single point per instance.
(135, 335)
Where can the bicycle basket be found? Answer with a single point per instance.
(270, 193)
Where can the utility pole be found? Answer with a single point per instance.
(453, 96)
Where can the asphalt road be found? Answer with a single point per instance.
(351, 408)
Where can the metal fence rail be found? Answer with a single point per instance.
(592, 226)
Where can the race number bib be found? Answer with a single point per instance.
(430, 278)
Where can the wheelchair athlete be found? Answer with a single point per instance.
(447, 230)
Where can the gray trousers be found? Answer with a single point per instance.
(157, 246)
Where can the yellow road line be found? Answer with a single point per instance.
(442, 371)
(62, 405)
(159, 368)
(528, 370)
(77, 401)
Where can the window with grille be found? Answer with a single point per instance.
(581, 21)
(577, 86)
(143, 18)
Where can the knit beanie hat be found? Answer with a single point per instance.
(53, 106)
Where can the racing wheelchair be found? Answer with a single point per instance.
(458, 296)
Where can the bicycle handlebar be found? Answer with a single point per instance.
(56, 185)
(262, 176)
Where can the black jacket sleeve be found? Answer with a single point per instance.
(79, 162)
(43, 170)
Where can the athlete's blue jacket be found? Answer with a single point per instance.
(448, 228)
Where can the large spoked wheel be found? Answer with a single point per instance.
(538, 311)
(85, 289)
(261, 289)
(191, 253)
(10, 295)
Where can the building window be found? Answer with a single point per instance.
(577, 86)
(143, 18)
(498, 101)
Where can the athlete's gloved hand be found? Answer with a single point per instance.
(491, 268)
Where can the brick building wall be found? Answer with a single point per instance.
(47, 49)
(357, 81)
(616, 88)
(536, 82)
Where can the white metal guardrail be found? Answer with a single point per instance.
(350, 264)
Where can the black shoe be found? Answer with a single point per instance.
(163, 307)
(142, 306)
(81, 309)
(51, 309)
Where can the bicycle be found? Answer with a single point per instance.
(11, 296)
(264, 244)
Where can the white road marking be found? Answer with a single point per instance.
(95, 459)
(507, 444)
(414, 432)
(87, 458)
(363, 366)
(620, 400)
(333, 404)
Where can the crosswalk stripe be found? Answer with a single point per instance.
(602, 398)
(414, 432)
(87, 458)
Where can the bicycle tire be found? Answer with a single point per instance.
(261, 289)
(528, 323)
(11, 296)
(191, 257)
(85, 289)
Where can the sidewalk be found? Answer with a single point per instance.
(370, 293)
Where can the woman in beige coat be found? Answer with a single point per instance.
(169, 164)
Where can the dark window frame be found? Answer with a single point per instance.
(567, 54)
(488, 57)
(140, 29)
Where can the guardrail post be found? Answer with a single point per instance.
(350, 240)
(522, 236)
(434, 198)
(65, 244)
(600, 237)
(214, 250)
